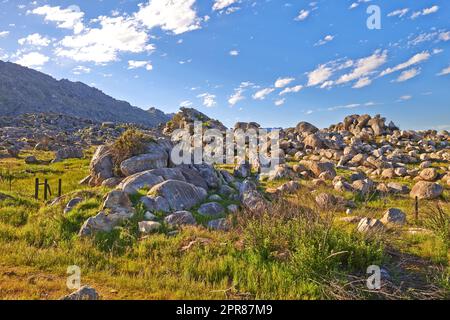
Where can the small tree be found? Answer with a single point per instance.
(131, 143)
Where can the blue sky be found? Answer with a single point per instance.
(274, 62)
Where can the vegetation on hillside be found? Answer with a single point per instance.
(292, 250)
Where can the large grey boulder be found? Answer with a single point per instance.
(141, 180)
(179, 194)
(209, 174)
(192, 176)
(250, 198)
(157, 204)
(211, 209)
(306, 128)
(314, 141)
(426, 190)
(144, 162)
(101, 166)
(117, 208)
(319, 168)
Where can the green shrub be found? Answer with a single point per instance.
(131, 143)
(15, 216)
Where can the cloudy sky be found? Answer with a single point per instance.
(272, 61)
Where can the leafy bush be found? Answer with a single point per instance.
(438, 221)
(131, 143)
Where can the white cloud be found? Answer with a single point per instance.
(364, 67)
(69, 18)
(81, 69)
(405, 98)
(362, 82)
(261, 94)
(234, 53)
(291, 90)
(319, 75)
(279, 102)
(231, 10)
(133, 64)
(425, 12)
(4, 34)
(444, 71)
(418, 58)
(444, 36)
(177, 16)
(35, 39)
(222, 4)
(356, 4)
(408, 74)
(236, 96)
(185, 103)
(33, 60)
(325, 40)
(101, 45)
(283, 82)
(209, 100)
(352, 106)
(400, 13)
(302, 15)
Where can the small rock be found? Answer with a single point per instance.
(367, 225)
(180, 218)
(31, 160)
(84, 293)
(429, 174)
(214, 197)
(394, 216)
(150, 216)
(232, 208)
(219, 224)
(149, 226)
(71, 204)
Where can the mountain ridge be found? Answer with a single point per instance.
(24, 90)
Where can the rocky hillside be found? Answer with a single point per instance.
(186, 118)
(24, 90)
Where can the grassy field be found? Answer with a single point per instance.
(292, 251)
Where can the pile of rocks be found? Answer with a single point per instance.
(372, 150)
(186, 118)
(170, 190)
(53, 132)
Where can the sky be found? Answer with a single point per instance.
(275, 62)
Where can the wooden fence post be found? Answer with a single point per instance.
(417, 209)
(45, 189)
(36, 189)
(59, 187)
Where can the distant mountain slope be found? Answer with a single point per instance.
(23, 90)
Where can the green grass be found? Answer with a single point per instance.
(292, 251)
